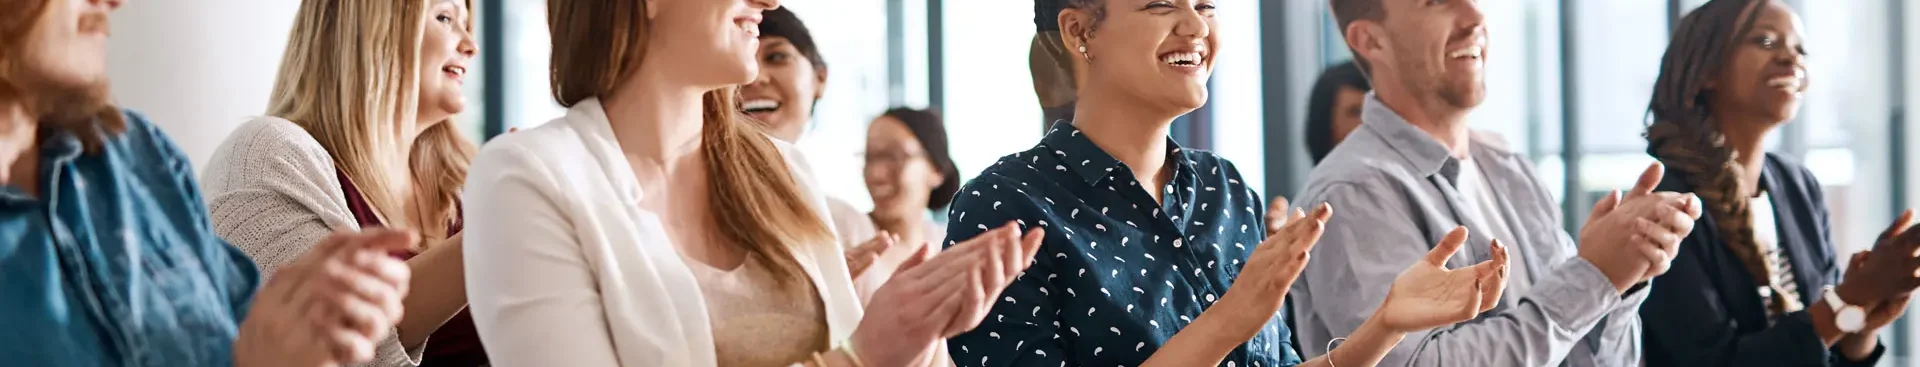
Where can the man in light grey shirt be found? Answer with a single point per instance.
(1413, 171)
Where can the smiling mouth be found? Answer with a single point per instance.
(755, 106)
(1470, 53)
(1185, 59)
(749, 25)
(455, 70)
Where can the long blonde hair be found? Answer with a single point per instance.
(351, 77)
(755, 201)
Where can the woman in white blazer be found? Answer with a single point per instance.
(652, 226)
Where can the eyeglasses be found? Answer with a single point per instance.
(891, 157)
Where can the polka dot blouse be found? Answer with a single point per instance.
(1118, 274)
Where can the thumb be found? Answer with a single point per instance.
(1447, 247)
(1606, 205)
(1899, 225)
(1648, 180)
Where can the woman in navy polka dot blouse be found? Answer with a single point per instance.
(1155, 255)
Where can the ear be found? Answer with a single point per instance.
(819, 83)
(1364, 38)
(1076, 27)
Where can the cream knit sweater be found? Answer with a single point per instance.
(273, 193)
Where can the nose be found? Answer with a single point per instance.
(1788, 56)
(1473, 20)
(111, 4)
(467, 47)
(764, 4)
(1193, 25)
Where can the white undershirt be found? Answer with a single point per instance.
(1766, 233)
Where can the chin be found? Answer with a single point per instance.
(1190, 100)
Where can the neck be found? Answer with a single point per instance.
(657, 122)
(19, 133)
(1444, 122)
(790, 134)
(1130, 132)
(905, 223)
(1748, 139)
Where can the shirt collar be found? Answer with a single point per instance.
(1080, 156)
(57, 148)
(1416, 146)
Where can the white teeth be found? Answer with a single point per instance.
(758, 105)
(456, 70)
(1473, 52)
(1784, 82)
(751, 28)
(1179, 58)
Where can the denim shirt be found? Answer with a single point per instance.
(1119, 273)
(114, 263)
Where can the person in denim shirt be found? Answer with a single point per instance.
(106, 255)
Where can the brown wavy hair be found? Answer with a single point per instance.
(1682, 134)
(755, 201)
(83, 112)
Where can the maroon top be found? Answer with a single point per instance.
(456, 343)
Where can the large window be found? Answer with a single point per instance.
(990, 106)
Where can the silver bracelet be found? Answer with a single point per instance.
(1330, 350)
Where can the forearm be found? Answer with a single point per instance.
(436, 292)
(1859, 347)
(1365, 348)
(1217, 331)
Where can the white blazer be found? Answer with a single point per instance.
(564, 268)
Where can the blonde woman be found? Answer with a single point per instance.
(358, 135)
(654, 226)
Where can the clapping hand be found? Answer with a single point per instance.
(329, 307)
(1892, 270)
(861, 257)
(1634, 238)
(1879, 314)
(1277, 217)
(934, 297)
(1428, 295)
(1277, 262)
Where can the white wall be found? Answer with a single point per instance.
(198, 68)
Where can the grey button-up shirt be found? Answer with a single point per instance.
(1391, 186)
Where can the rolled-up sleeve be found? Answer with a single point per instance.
(1371, 239)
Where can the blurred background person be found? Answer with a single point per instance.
(331, 157)
(1051, 65)
(910, 175)
(792, 79)
(1759, 281)
(1333, 111)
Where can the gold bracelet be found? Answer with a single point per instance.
(1330, 350)
(846, 347)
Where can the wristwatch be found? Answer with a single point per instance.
(1848, 318)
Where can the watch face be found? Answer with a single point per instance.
(1850, 319)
